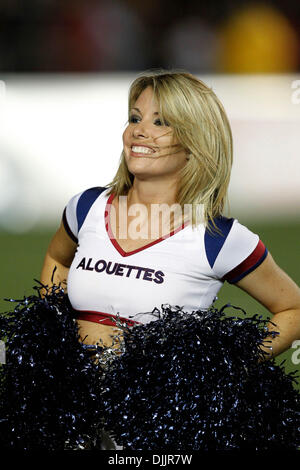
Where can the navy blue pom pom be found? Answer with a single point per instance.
(196, 382)
(49, 386)
(185, 382)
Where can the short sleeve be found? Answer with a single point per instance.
(77, 209)
(239, 251)
(70, 217)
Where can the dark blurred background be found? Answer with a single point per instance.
(231, 36)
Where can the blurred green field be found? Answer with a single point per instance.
(22, 256)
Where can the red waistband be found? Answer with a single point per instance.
(103, 318)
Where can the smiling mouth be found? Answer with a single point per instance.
(140, 150)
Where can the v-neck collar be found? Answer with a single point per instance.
(115, 242)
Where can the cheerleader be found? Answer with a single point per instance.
(157, 234)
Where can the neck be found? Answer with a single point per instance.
(148, 192)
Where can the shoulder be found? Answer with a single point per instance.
(78, 207)
(85, 201)
(233, 250)
(215, 236)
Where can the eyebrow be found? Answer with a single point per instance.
(137, 109)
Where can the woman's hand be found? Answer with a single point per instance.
(274, 289)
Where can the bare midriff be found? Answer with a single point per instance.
(94, 333)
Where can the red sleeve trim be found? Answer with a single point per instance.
(248, 265)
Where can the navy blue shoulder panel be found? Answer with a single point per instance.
(214, 241)
(85, 202)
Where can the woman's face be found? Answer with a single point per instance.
(150, 148)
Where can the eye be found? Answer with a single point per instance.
(133, 118)
(158, 122)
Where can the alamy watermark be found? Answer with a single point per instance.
(296, 354)
(2, 353)
(295, 98)
(140, 221)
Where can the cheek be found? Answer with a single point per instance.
(179, 158)
(125, 136)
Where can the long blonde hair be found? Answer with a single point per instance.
(201, 126)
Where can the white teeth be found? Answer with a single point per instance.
(141, 149)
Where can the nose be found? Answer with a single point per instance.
(141, 130)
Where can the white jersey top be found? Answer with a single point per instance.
(185, 269)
